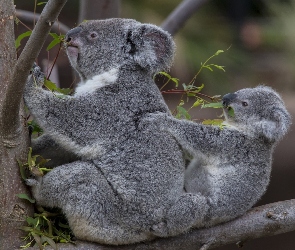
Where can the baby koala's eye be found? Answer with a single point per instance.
(93, 35)
(245, 104)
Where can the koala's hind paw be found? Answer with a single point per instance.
(31, 182)
(160, 229)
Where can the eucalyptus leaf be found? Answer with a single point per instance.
(25, 197)
(21, 37)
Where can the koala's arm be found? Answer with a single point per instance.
(194, 136)
(64, 119)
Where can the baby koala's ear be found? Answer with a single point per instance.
(150, 47)
(277, 126)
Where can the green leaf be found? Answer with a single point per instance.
(208, 67)
(49, 241)
(38, 240)
(21, 37)
(64, 91)
(63, 225)
(30, 156)
(218, 52)
(52, 87)
(219, 67)
(197, 103)
(22, 170)
(32, 221)
(213, 105)
(190, 94)
(52, 44)
(164, 74)
(182, 113)
(231, 112)
(41, 3)
(176, 81)
(214, 122)
(35, 126)
(25, 197)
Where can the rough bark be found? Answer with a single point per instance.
(13, 133)
(13, 210)
(267, 220)
(98, 9)
(181, 14)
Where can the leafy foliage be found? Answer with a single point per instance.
(60, 92)
(44, 228)
(57, 39)
(192, 91)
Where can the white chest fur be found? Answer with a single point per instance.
(97, 82)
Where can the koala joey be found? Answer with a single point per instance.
(230, 167)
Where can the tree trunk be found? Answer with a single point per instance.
(13, 211)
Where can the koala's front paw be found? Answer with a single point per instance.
(37, 76)
(32, 182)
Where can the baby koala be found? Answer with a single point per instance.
(230, 166)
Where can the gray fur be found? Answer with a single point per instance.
(231, 166)
(125, 180)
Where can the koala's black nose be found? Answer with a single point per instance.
(71, 33)
(228, 98)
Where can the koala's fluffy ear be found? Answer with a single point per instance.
(150, 47)
(278, 125)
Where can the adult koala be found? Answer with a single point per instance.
(230, 166)
(123, 177)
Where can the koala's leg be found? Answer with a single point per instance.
(88, 200)
(45, 146)
(188, 211)
(59, 186)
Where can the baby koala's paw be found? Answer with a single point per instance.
(37, 75)
(32, 182)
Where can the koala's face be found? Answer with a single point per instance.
(250, 104)
(97, 46)
(260, 109)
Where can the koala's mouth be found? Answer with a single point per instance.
(72, 51)
(229, 111)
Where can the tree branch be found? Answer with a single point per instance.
(98, 9)
(13, 97)
(267, 220)
(181, 14)
(30, 17)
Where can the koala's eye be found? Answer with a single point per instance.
(245, 104)
(93, 35)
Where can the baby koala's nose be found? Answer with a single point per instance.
(228, 99)
(71, 34)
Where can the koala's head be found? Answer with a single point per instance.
(260, 109)
(98, 46)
